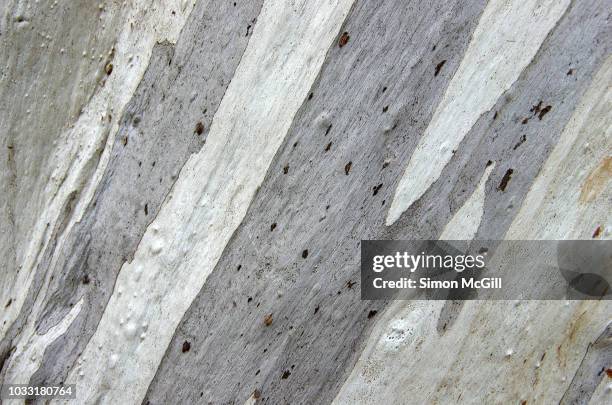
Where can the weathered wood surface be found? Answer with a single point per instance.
(177, 171)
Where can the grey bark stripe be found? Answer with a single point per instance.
(318, 322)
(157, 135)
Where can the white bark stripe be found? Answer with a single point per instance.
(211, 196)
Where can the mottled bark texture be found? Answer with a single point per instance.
(187, 185)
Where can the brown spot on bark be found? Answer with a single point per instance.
(375, 189)
(186, 346)
(597, 232)
(596, 180)
(268, 320)
(544, 111)
(347, 168)
(520, 142)
(505, 180)
(536, 108)
(108, 68)
(256, 394)
(344, 38)
(609, 372)
(199, 128)
(525, 120)
(439, 67)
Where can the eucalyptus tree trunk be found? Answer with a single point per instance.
(186, 185)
